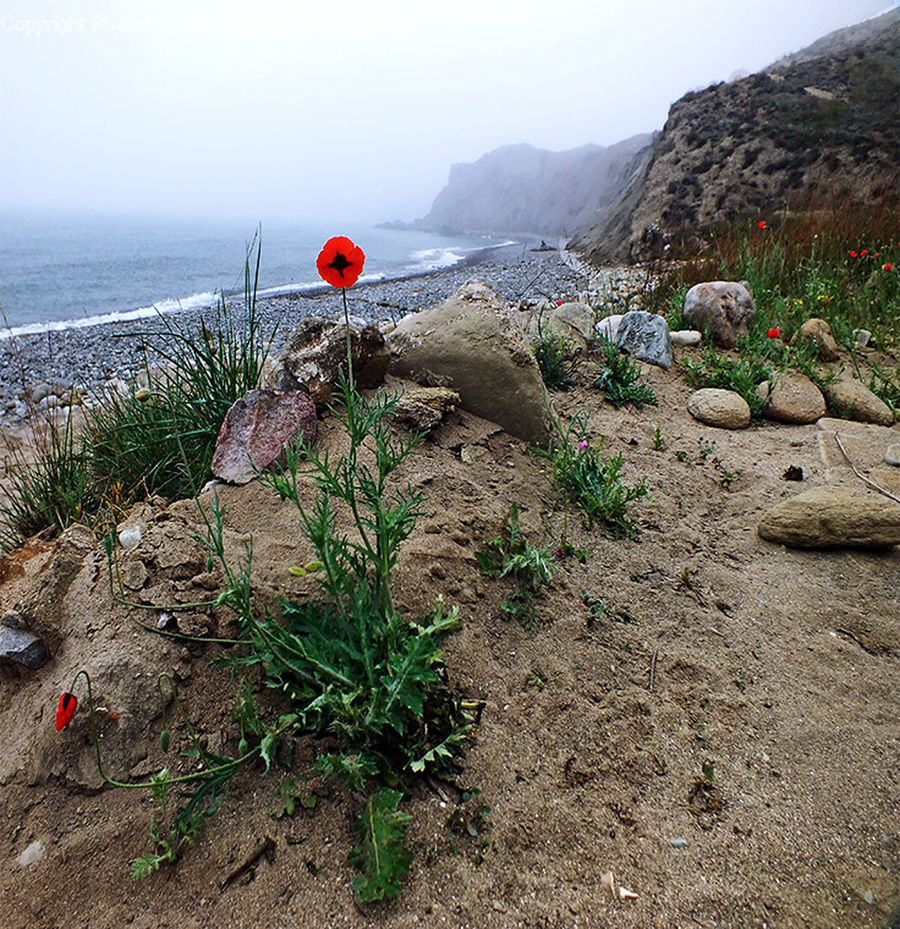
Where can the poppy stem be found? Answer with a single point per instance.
(349, 349)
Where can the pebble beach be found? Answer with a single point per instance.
(45, 368)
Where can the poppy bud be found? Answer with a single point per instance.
(66, 710)
(165, 737)
(243, 747)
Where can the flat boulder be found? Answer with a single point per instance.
(831, 517)
(851, 398)
(316, 353)
(726, 308)
(792, 398)
(473, 344)
(645, 336)
(423, 408)
(724, 409)
(256, 430)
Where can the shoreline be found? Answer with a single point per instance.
(89, 358)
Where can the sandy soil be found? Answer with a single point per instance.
(777, 667)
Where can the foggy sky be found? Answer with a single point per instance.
(347, 110)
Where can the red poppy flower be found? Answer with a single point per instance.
(559, 303)
(340, 262)
(773, 333)
(888, 267)
(863, 253)
(761, 224)
(66, 710)
(852, 254)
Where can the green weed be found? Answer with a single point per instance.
(512, 556)
(620, 378)
(594, 485)
(557, 361)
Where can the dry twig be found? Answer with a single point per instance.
(862, 477)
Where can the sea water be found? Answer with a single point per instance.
(71, 270)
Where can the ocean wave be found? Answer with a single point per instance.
(172, 305)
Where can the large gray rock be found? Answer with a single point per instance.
(725, 307)
(828, 517)
(22, 647)
(256, 430)
(472, 343)
(848, 397)
(645, 336)
(316, 352)
(722, 408)
(792, 398)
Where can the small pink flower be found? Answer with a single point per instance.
(582, 446)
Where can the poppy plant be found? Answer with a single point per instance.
(340, 262)
(888, 267)
(66, 710)
(761, 224)
(773, 333)
(853, 254)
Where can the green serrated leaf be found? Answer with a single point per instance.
(381, 854)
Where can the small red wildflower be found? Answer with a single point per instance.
(875, 254)
(340, 262)
(863, 253)
(853, 253)
(66, 710)
(559, 303)
(761, 224)
(773, 333)
(888, 267)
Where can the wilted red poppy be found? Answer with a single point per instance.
(773, 333)
(761, 224)
(340, 262)
(66, 710)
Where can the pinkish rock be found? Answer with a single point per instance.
(256, 430)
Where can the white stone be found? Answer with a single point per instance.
(684, 337)
(34, 853)
(892, 455)
(130, 537)
(608, 328)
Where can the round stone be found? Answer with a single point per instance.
(722, 408)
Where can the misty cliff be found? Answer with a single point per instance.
(819, 128)
(522, 189)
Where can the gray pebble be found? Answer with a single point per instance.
(679, 843)
(892, 455)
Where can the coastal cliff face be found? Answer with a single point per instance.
(818, 129)
(522, 189)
